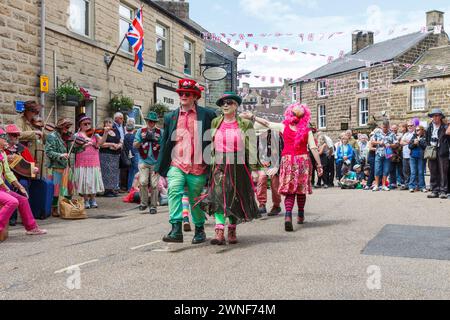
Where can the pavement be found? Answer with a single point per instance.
(117, 254)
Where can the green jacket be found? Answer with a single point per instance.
(204, 115)
(54, 148)
(251, 151)
(5, 171)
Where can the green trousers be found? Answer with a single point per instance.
(220, 219)
(177, 180)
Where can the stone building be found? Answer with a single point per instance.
(81, 36)
(266, 102)
(423, 86)
(217, 54)
(356, 90)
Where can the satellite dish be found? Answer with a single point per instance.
(215, 74)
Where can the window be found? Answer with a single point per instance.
(418, 98)
(363, 80)
(294, 94)
(322, 117)
(79, 17)
(90, 109)
(126, 17)
(188, 57)
(363, 112)
(322, 88)
(161, 45)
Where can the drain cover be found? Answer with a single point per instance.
(411, 242)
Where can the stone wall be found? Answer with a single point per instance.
(19, 54)
(81, 58)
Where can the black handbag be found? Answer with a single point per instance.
(125, 161)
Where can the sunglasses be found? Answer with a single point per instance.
(14, 135)
(186, 94)
(86, 124)
(228, 102)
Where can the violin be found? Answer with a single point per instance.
(38, 123)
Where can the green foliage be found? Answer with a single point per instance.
(69, 89)
(160, 109)
(121, 103)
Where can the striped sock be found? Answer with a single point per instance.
(301, 201)
(289, 204)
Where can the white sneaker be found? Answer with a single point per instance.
(36, 232)
(386, 189)
(374, 189)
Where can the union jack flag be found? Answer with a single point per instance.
(135, 37)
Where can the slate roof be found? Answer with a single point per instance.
(431, 65)
(379, 52)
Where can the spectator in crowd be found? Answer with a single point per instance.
(119, 125)
(88, 174)
(355, 147)
(110, 158)
(324, 151)
(148, 142)
(16, 148)
(57, 152)
(396, 172)
(9, 200)
(437, 139)
(367, 175)
(344, 155)
(406, 153)
(363, 143)
(359, 172)
(384, 141)
(372, 148)
(417, 147)
(349, 179)
(132, 152)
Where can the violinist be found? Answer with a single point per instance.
(14, 148)
(32, 136)
(88, 175)
(57, 152)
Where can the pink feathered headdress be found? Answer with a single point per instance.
(302, 125)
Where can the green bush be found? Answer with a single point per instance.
(68, 89)
(160, 109)
(121, 103)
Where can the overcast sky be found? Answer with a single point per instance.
(390, 18)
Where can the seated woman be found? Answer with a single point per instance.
(16, 148)
(10, 201)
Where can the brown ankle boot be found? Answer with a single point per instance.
(232, 238)
(55, 212)
(4, 234)
(219, 240)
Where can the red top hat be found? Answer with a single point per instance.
(188, 85)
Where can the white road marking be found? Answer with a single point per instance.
(76, 266)
(145, 245)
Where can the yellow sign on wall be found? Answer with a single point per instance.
(44, 84)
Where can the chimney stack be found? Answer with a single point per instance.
(435, 18)
(360, 40)
(179, 8)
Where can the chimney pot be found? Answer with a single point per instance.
(435, 18)
(361, 39)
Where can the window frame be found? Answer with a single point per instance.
(362, 81)
(166, 41)
(321, 88)
(361, 112)
(191, 52)
(129, 21)
(413, 100)
(294, 94)
(89, 20)
(322, 116)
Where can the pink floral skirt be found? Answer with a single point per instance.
(295, 175)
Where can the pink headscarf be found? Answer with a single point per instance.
(302, 124)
